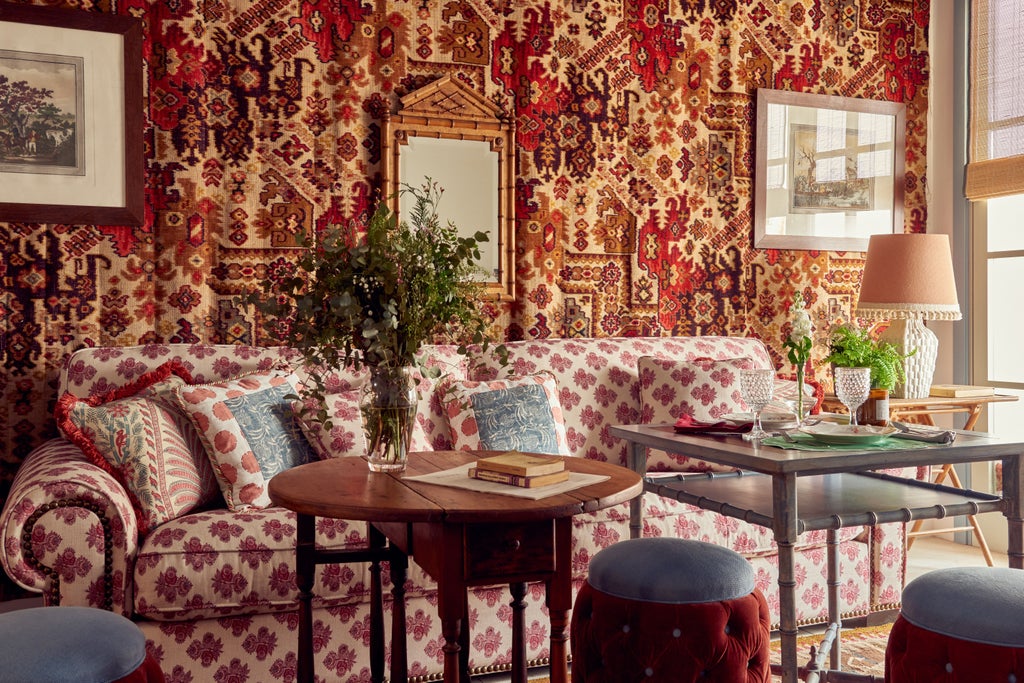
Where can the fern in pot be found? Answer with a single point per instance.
(852, 347)
(372, 297)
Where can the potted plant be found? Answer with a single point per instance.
(852, 347)
(372, 297)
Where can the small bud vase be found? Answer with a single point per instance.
(799, 409)
(388, 410)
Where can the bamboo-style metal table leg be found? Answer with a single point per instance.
(834, 613)
(785, 529)
(948, 470)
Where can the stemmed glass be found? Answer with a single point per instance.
(852, 388)
(756, 387)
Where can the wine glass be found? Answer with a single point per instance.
(852, 388)
(756, 387)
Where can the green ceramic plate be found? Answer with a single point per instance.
(847, 435)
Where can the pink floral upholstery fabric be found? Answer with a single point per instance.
(703, 388)
(213, 589)
(345, 436)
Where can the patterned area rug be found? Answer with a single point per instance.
(863, 649)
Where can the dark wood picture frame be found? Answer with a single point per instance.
(130, 210)
(783, 116)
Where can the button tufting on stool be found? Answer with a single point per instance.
(669, 610)
(73, 645)
(959, 625)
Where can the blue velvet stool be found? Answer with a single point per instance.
(73, 645)
(959, 625)
(667, 610)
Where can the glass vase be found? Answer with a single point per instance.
(799, 407)
(388, 410)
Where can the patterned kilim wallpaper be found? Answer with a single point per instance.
(635, 153)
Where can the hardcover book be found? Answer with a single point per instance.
(521, 464)
(516, 480)
(960, 390)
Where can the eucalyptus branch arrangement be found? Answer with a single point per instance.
(373, 296)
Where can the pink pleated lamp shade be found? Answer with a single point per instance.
(908, 275)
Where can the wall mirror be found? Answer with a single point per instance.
(828, 170)
(447, 132)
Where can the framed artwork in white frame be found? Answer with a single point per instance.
(829, 170)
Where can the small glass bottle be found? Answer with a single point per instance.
(875, 410)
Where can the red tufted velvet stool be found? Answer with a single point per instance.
(668, 610)
(959, 625)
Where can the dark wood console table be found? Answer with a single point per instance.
(792, 491)
(460, 537)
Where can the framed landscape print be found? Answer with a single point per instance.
(828, 170)
(70, 117)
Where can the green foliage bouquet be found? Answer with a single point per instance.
(372, 298)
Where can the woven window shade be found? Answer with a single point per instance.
(996, 164)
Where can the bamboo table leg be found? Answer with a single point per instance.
(785, 530)
(973, 413)
(1013, 494)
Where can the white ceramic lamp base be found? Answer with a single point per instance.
(908, 335)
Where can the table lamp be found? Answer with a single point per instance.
(908, 278)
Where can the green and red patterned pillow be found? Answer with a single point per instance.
(137, 434)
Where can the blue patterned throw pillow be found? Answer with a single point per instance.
(266, 419)
(249, 432)
(522, 414)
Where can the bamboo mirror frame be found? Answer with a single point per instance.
(447, 132)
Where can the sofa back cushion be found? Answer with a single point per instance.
(97, 370)
(521, 414)
(598, 380)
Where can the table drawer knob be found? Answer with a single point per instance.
(502, 550)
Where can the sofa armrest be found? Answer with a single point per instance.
(69, 530)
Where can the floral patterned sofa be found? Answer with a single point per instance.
(213, 590)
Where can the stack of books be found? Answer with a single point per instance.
(526, 470)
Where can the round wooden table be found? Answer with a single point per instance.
(459, 537)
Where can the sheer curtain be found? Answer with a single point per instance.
(995, 165)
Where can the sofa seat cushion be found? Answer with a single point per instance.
(221, 563)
